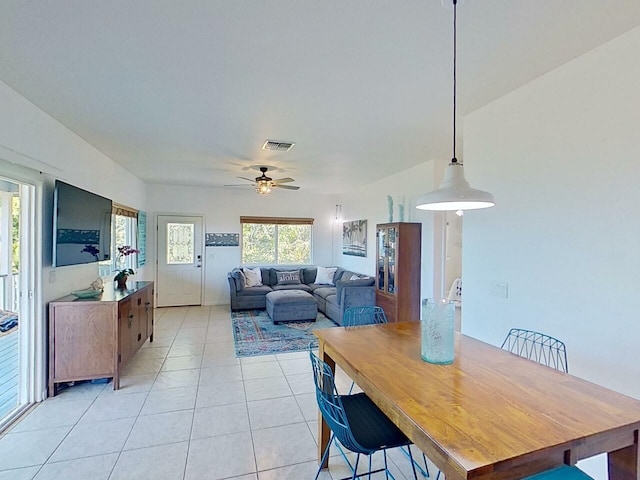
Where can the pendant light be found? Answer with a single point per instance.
(454, 192)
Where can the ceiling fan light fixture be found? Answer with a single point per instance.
(263, 187)
(455, 193)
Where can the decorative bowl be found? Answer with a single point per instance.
(88, 293)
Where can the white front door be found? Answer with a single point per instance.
(180, 269)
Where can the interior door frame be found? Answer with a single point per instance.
(33, 333)
(204, 263)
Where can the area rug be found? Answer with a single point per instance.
(255, 334)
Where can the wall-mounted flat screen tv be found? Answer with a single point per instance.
(81, 226)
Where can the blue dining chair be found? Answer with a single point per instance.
(367, 315)
(549, 351)
(355, 421)
(373, 315)
(563, 472)
(538, 347)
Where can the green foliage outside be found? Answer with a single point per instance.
(294, 244)
(260, 242)
(15, 240)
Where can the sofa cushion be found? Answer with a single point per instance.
(361, 282)
(309, 274)
(266, 277)
(324, 292)
(325, 276)
(288, 277)
(239, 278)
(252, 291)
(294, 286)
(253, 277)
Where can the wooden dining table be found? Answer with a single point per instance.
(490, 414)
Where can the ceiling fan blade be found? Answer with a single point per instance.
(284, 180)
(288, 187)
(249, 179)
(240, 185)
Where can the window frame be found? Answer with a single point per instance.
(108, 267)
(276, 221)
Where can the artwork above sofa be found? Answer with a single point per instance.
(333, 288)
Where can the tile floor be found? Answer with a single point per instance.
(187, 409)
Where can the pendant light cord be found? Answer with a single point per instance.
(454, 159)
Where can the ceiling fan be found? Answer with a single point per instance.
(264, 184)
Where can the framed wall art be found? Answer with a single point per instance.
(354, 238)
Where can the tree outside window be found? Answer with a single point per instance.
(276, 241)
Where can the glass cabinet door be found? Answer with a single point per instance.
(391, 261)
(381, 257)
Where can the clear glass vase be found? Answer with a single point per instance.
(437, 331)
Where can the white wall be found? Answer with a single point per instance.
(222, 208)
(47, 150)
(370, 202)
(562, 157)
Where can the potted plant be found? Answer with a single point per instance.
(123, 274)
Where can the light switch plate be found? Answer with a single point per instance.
(499, 289)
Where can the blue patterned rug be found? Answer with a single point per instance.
(255, 334)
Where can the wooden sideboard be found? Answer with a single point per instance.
(95, 338)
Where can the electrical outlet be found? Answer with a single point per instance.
(499, 289)
(52, 276)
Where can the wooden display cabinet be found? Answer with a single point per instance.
(96, 338)
(398, 263)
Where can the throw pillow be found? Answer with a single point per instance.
(240, 279)
(253, 276)
(288, 277)
(325, 276)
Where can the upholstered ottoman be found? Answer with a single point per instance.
(291, 306)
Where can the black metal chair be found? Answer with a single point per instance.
(355, 421)
(538, 347)
(549, 351)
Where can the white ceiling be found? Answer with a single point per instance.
(187, 91)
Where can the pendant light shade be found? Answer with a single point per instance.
(454, 192)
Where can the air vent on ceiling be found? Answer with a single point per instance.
(279, 146)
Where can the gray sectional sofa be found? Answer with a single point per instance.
(332, 300)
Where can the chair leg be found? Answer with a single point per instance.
(413, 463)
(344, 455)
(426, 467)
(355, 470)
(424, 472)
(324, 456)
(370, 466)
(386, 467)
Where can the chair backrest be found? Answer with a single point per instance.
(538, 347)
(330, 405)
(357, 316)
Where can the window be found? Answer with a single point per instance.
(124, 227)
(276, 240)
(180, 243)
